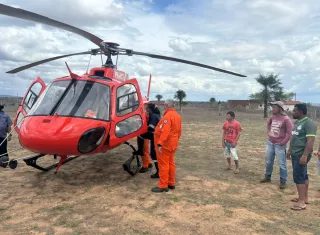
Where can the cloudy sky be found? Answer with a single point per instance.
(244, 36)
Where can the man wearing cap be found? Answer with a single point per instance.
(279, 128)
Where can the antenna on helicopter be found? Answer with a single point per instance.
(101, 59)
(89, 63)
(148, 94)
(72, 75)
(117, 61)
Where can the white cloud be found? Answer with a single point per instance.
(244, 36)
(180, 45)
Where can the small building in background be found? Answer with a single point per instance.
(245, 104)
(289, 105)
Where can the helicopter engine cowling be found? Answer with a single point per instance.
(63, 135)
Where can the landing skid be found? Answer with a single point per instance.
(127, 165)
(32, 161)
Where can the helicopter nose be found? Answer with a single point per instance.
(62, 135)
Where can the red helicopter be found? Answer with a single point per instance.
(82, 114)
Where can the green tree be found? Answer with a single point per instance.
(279, 94)
(270, 84)
(159, 97)
(180, 95)
(212, 101)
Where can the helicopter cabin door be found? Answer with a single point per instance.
(128, 118)
(30, 98)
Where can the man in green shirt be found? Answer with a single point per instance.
(300, 152)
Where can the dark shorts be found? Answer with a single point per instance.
(300, 172)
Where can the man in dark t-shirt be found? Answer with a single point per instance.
(300, 152)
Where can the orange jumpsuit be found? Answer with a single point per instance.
(146, 154)
(167, 134)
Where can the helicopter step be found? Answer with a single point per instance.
(132, 170)
(32, 161)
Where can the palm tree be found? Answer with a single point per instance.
(159, 97)
(279, 94)
(270, 84)
(180, 95)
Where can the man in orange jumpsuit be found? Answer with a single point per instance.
(166, 138)
(146, 160)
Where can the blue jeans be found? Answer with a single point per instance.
(273, 150)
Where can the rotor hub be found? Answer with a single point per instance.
(110, 45)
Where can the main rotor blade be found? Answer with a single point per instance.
(27, 15)
(45, 60)
(182, 61)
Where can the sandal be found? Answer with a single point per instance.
(296, 200)
(298, 208)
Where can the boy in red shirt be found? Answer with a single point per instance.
(230, 136)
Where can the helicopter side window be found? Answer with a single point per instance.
(19, 119)
(127, 99)
(32, 96)
(128, 126)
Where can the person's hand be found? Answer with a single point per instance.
(234, 144)
(303, 160)
(288, 155)
(159, 148)
(223, 145)
(315, 153)
(9, 137)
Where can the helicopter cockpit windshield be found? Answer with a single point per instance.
(84, 99)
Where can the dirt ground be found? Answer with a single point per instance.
(93, 195)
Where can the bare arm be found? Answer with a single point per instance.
(238, 136)
(223, 135)
(9, 129)
(289, 127)
(309, 146)
(311, 131)
(269, 125)
(239, 130)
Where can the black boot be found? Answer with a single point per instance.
(156, 175)
(143, 170)
(140, 142)
(159, 190)
(4, 161)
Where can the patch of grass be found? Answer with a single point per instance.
(142, 232)
(3, 208)
(174, 198)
